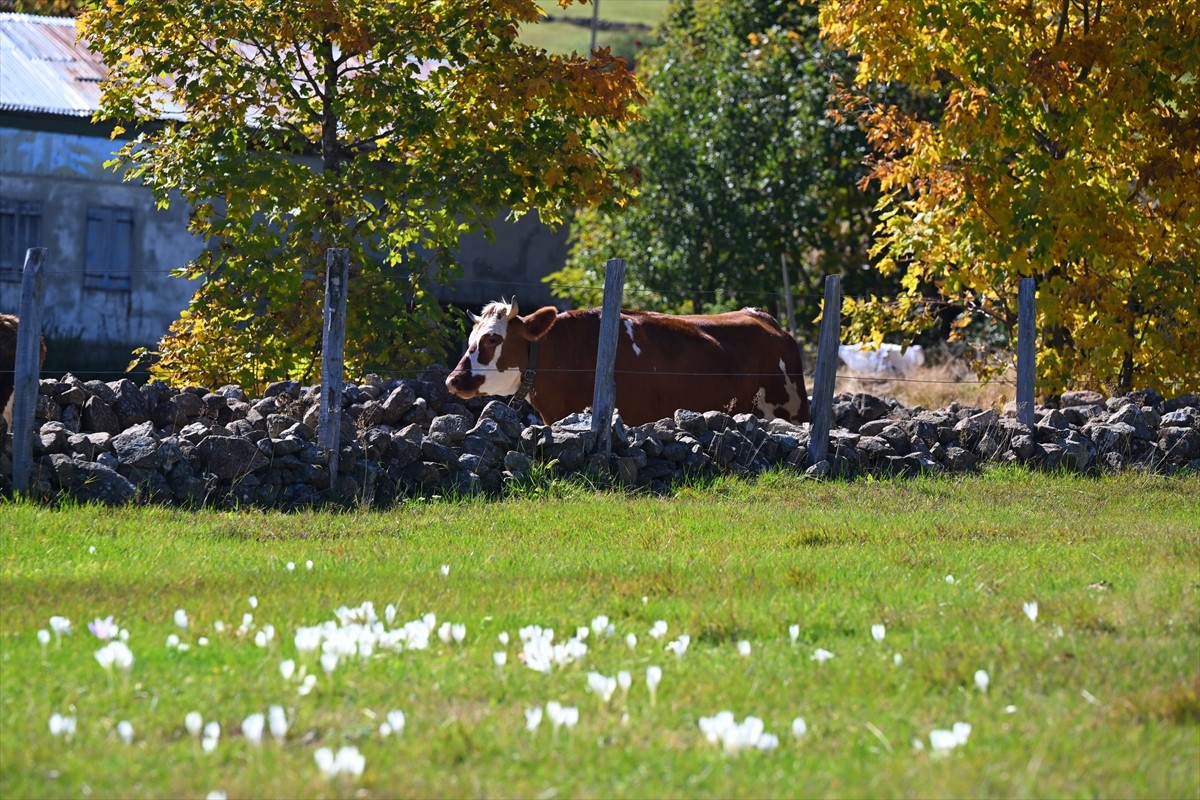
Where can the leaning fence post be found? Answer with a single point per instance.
(605, 393)
(333, 357)
(27, 365)
(827, 359)
(1026, 350)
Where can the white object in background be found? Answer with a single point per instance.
(889, 359)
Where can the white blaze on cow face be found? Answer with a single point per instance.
(484, 348)
(637, 351)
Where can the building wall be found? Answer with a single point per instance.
(64, 173)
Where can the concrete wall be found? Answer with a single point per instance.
(64, 172)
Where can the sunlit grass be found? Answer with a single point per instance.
(1102, 683)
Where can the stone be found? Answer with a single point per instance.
(96, 483)
(229, 457)
(99, 416)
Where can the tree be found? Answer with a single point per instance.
(387, 128)
(1066, 147)
(738, 164)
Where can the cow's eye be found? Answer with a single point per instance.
(493, 339)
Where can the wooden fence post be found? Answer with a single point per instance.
(605, 393)
(788, 304)
(333, 356)
(27, 365)
(1026, 349)
(827, 360)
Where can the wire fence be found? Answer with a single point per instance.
(508, 287)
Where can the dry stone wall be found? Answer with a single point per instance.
(118, 442)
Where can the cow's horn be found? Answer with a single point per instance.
(512, 308)
(473, 316)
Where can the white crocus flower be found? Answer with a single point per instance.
(306, 685)
(602, 685)
(630, 641)
(821, 655)
(503, 637)
(680, 645)
(949, 579)
(252, 728)
(981, 680)
(193, 722)
(329, 662)
(125, 731)
(533, 718)
(253, 601)
(287, 669)
(878, 632)
(181, 619)
(347, 761)
(458, 632)
(743, 648)
(570, 716)
(115, 654)
(212, 735)
(291, 566)
(277, 721)
(624, 680)
(659, 629)
(61, 626)
(799, 727)
(172, 641)
(1031, 610)
(897, 659)
(308, 565)
(445, 570)
(444, 633)
(794, 632)
(43, 637)
(554, 711)
(653, 677)
(500, 658)
(62, 725)
(600, 624)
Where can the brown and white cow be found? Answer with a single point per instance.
(741, 361)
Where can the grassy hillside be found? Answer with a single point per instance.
(627, 26)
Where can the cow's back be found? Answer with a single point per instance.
(738, 362)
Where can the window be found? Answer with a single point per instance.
(109, 259)
(20, 229)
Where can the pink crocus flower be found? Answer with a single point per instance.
(103, 629)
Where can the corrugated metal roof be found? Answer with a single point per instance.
(44, 69)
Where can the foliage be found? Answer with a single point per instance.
(1110, 562)
(739, 165)
(46, 8)
(1066, 147)
(386, 128)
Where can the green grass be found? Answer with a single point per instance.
(562, 37)
(1104, 683)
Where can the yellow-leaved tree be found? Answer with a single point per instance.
(389, 128)
(1064, 146)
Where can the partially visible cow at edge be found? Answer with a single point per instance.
(8, 361)
(738, 362)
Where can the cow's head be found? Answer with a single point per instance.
(497, 350)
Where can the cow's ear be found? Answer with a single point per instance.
(539, 322)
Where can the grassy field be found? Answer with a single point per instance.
(1094, 695)
(559, 35)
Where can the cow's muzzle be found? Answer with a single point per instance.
(462, 383)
